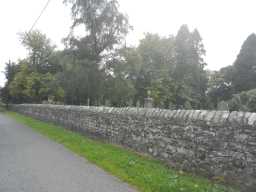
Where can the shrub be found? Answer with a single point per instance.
(244, 101)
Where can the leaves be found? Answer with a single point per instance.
(40, 50)
(244, 73)
(104, 25)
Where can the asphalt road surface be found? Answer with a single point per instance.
(29, 162)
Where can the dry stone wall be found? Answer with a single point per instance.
(216, 144)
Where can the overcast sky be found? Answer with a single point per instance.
(223, 24)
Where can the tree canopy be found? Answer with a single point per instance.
(244, 68)
(97, 68)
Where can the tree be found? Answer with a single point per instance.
(11, 69)
(244, 68)
(157, 57)
(244, 101)
(42, 87)
(119, 91)
(230, 81)
(34, 87)
(95, 68)
(104, 26)
(189, 71)
(75, 82)
(33, 78)
(17, 86)
(183, 48)
(40, 51)
(219, 86)
(156, 67)
(122, 70)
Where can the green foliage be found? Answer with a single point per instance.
(29, 86)
(2, 106)
(162, 73)
(33, 78)
(17, 85)
(119, 91)
(219, 87)
(236, 79)
(244, 101)
(146, 174)
(223, 106)
(84, 77)
(40, 51)
(96, 69)
(162, 93)
(105, 26)
(4, 95)
(42, 87)
(244, 68)
(157, 63)
(10, 71)
(82, 73)
(190, 67)
(81, 80)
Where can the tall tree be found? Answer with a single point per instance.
(189, 71)
(244, 71)
(11, 69)
(105, 27)
(158, 54)
(122, 72)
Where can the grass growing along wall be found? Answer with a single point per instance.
(146, 174)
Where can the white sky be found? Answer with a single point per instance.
(223, 24)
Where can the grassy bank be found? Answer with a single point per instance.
(142, 172)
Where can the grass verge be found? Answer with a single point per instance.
(146, 174)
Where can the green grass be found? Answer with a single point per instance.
(146, 174)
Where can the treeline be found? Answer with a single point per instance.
(99, 69)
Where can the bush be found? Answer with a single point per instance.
(244, 101)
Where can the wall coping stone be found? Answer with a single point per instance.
(208, 117)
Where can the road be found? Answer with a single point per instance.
(30, 162)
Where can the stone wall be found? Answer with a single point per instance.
(212, 143)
